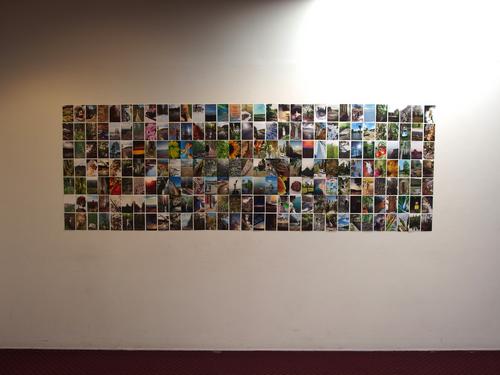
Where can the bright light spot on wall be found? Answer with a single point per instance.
(393, 47)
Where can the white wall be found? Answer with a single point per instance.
(217, 290)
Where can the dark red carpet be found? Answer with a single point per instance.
(76, 362)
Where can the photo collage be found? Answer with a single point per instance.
(249, 167)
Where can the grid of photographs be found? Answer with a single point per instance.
(273, 167)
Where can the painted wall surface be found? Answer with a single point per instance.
(229, 290)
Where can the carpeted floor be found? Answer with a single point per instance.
(89, 362)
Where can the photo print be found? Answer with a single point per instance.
(252, 167)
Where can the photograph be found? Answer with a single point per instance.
(320, 130)
(67, 113)
(308, 112)
(369, 130)
(344, 112)
(393, 131)
(137, 113)
(332, 131)
(405, 114)
(271, 130)
(332, 149)
(162, 113)
(296, 112)
(186, 113)
(174, 131)
(235, 130)
(320, 112)
(174, 113)
(393, 113)
(357, 112)
(356, 131)
(426, 222)
(333, 112)
(210, 113)
(186, 131)
(429, 113)
(246, 112)
(284, 113)
(357, 150)
(429, 132)
(222, 113)
(428, 150)
(308, 130)
(284, 130)
(381, 112)
(222, 130)
(345, 149)
(198, 114)
(259, 130)
(247, 131)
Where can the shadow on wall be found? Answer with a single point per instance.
(97, 34)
